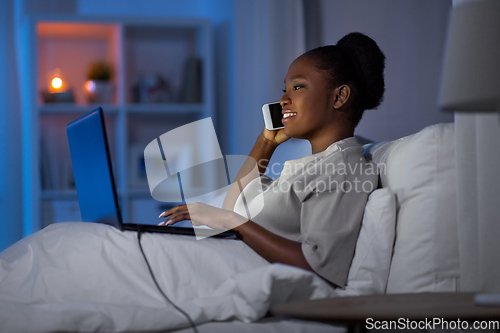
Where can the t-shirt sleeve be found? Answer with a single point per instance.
(330, 223)
(248, 198)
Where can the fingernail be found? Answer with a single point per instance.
(161, 223)
(161, 214)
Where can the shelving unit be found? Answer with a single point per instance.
(177, 50)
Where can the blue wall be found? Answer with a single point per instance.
(10, 137)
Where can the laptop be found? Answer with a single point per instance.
(95, 184)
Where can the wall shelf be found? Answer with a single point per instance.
(75, 108)
(162, 79)
(165, 108)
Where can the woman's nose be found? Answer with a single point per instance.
(284, 100)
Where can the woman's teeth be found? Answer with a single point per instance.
(289, 114)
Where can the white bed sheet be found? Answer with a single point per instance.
(85, 277)
(268, 325)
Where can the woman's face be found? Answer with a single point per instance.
(307, 108)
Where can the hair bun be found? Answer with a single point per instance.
(371, 63)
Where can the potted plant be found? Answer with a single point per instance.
(99, 88)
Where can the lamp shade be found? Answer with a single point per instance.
(470, 79)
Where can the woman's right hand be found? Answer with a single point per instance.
(275, 137)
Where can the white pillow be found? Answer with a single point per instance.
(420, 170)
(372, 257)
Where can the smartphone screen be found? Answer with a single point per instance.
(276, 115)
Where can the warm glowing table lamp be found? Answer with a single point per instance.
(58, 90)
(471, 69)
(56, 84)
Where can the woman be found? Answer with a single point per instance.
(313, 221)
(93, 277)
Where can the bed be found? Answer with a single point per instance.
(86, 277)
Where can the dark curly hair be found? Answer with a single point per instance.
(356, 60)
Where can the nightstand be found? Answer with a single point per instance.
(367, 312)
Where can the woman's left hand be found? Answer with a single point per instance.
(203, 214)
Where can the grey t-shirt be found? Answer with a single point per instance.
(319, 201)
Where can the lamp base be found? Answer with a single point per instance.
(492, 299)
(58, 97)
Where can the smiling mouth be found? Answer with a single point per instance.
(287, 116)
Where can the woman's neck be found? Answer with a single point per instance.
(320, 143)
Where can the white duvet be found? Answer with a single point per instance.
(91, 277)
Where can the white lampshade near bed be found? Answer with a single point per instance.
(470, 79)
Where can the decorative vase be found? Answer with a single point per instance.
(98, 91)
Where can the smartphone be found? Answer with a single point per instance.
(272, 116)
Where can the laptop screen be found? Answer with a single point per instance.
(92, 168)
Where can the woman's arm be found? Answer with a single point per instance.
(258, 160)
(267, 244)
(271, 246)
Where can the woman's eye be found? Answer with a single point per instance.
(294, 88)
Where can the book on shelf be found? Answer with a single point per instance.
(55, 175)
(46, 177)
(191, 87)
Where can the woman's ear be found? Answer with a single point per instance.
(341, 96)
